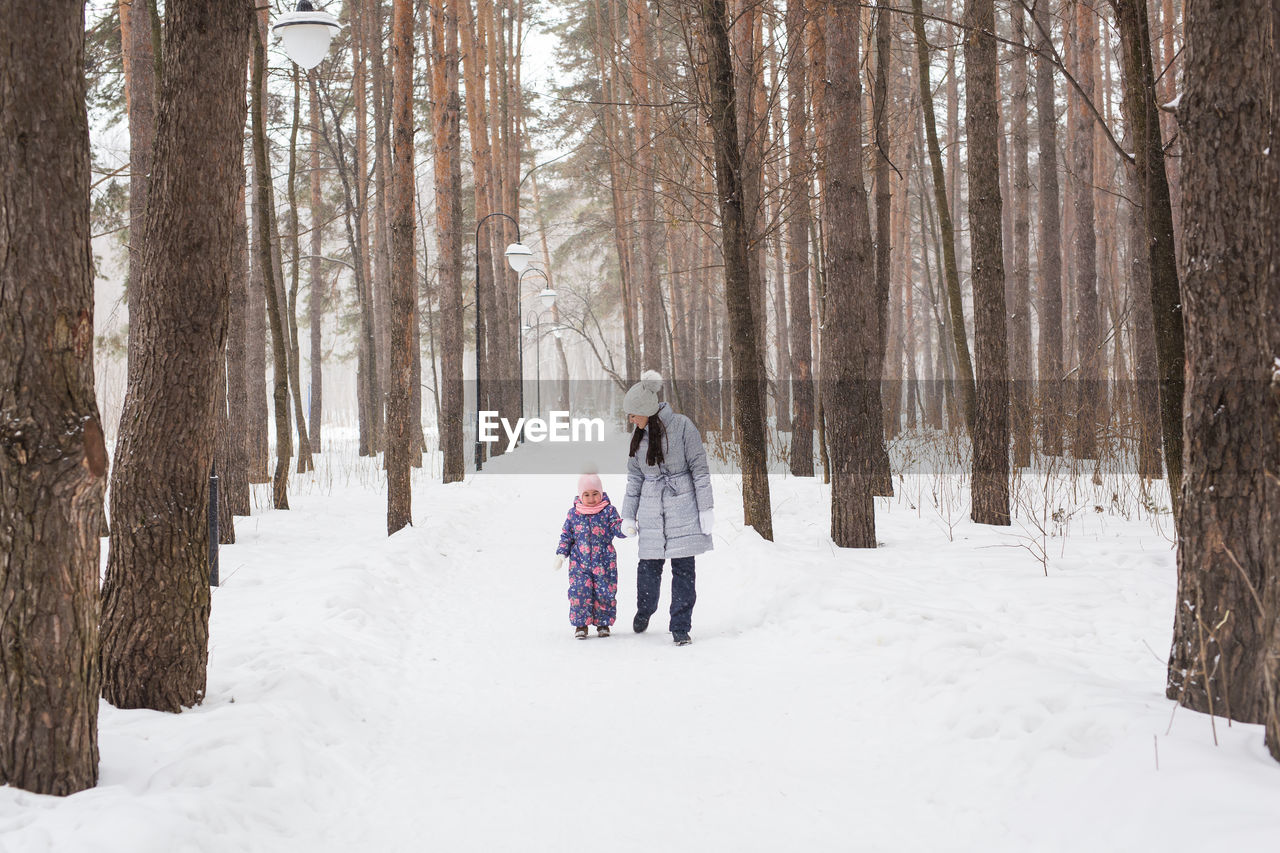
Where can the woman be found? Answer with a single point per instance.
(668, 502)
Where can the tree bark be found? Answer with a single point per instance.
(850, 330)
(955, 302)
(291, 305)
(643, 273)
(882, 479)
(1021, 370)
(747, 397)
(982, 128)
(1049, 355)
(140, 94)
(799, 180)
(53, 462)
(1085, 246)
(447, 145)
(1164, 305)
(402, 441)
(275, 311)
(234, 479)
(155, 622)
(1227, 554)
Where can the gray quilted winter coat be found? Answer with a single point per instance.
(665, 499)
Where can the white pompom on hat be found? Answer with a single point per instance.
(642, 398)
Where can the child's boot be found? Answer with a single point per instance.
(602, 630)
(580, 632)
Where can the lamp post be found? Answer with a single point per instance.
(518, 255)
(536, 328)
(520, 308)
(305, 34)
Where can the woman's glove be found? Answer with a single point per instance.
(705, 520)
(557, 563)
(629, 527)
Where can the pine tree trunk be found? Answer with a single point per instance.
(882, 482)
(234, 478)
(955, 302)
(155, 621)
(402, 439)
(447, 146)
(1165, 303)
(53, 462)
(799, 179)
(642, 273)
(748, 401)
(1085, 247)
(1227, 554)
(1049, 356)
(140, 94)
(1021, 371)
(982, 128)
(850, 368)
(275, 310)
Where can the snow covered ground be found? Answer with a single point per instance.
(425, 692)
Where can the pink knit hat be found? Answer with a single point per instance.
(589, 481)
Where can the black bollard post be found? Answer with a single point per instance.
(213, 526)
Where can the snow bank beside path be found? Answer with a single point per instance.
(425, 692)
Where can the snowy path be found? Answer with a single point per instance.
(425, 692)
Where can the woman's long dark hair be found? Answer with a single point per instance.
(654, 429)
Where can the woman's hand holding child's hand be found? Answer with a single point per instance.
(557, 563)
(629, 527)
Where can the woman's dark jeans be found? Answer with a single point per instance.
(683, 591)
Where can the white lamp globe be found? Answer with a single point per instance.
(518, 256)
(548, 297)
(306, 33)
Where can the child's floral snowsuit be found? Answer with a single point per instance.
(587, 540)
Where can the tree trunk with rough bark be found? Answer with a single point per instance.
(1085, 246)
(1227, 544)
(53, 462)
(955, 302)
(402, 438)
(982, 128)
(799, 180)
(155, 620)
(140, 95)
(1049, 354)
(747, 397)
(850, 369)
(1021, 370)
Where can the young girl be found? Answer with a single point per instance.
(587, 540)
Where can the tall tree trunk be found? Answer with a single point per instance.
(1021, 371)
(982, 128)
(850, 369)
(1049, 356)
(140, 95)
(54, 463)
(955, 302)
(256, 339)
(234, 478)
(1271, 596)
(1085, 246)
(275, 311)
(882, 479)
(643, 272)
(447, 145)
(748, 400)
(1227, 554)
(798, 189)
(155, 621)
(402, 438)
(1165, 304)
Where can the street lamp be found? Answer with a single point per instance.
(305, 34)
(536, 328)
(518, 255)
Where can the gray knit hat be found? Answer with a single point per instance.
(642, 398)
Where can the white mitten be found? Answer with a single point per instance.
(629, 527)
(558, 562)
(705, 520)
